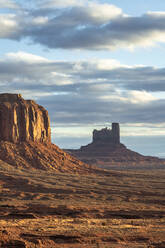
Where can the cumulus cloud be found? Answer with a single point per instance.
(91, 25)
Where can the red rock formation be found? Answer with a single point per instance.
(44, 156)
(106, 135)
(23, 120)
(25, 138)
(106, 151)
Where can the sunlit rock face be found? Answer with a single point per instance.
(23, 120)
(25, 138)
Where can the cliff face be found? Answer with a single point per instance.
(105, 135)
(25, 138)
(23, 120)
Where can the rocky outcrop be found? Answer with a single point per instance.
(43, 156)
(25, 138)
(105, 135)
(23, 120)
(107, 151)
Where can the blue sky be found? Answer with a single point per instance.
(138, 7)
(89, 63)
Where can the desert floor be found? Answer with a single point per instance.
(117, 209)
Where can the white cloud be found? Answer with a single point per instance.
(103, 13)
(105, 64)
(130, 97)
(9, 25)
(156, 14)
(8, 4)
(145, 129)
(140, 97)
(26, 58)
(40, 20)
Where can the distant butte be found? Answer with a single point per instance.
(25, 138)
(106, 151)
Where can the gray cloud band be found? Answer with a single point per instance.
(86, 92)
(80, 27)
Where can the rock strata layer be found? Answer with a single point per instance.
(23, 120)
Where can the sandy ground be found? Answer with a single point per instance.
(116, 210)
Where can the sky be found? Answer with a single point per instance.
(89, 63)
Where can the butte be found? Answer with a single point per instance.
(106, 151)
(25, 138)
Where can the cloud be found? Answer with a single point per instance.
(99, 27)
(25, 58)
(130, 97)
(41, 20)
(74, 109)
(100, 12)
(9, 26)
(140, 97)
(86, 24)
(8, 4)
(99, 75)
(86, 92)
(61, 3)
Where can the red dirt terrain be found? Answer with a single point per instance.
(50, 199)
(50, 209)
(45, 156)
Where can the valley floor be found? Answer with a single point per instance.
(117, 209)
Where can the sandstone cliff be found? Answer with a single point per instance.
(25, 138)
(23, 120)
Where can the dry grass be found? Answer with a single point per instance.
(116, 210)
